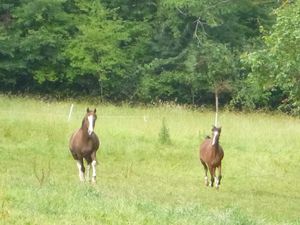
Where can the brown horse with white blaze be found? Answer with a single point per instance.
(211, 155)
(84, 144)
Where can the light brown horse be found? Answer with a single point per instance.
(84, 144)
(211, 155)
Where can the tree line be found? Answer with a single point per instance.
(154, 50)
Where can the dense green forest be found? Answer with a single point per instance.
(154, 50)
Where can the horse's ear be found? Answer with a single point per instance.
(87, 110)
(95, 110)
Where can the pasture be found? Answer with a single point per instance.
(140, 180)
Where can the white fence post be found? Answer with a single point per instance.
(70, 113)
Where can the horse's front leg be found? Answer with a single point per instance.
(205, 171)
(81, 169)
(218, 181)
(88, 167)
(212, 175)
(94, 163)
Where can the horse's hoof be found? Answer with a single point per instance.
(206, 181)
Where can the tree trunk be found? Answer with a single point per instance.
(193, 96)
(217, 106)
(101, 88)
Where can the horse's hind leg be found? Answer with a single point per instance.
(205, 170)
(81, 169)
(94, 163)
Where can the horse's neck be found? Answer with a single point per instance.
(84, 130)
(217, 148)
(216, 145)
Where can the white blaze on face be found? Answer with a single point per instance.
(215, 137)
(91, 125)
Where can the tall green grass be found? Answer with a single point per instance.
(141, 180)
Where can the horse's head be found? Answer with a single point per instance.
(90, 120)
(216, 131)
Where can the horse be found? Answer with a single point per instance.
(84, 144)
(211, 154)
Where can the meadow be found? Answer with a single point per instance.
(139, 179)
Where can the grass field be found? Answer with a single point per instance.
(141, 181)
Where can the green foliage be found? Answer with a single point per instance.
(194, 55)
(276, 66)
(95, 50)
(171, 50)
(217, 62)
(164, 136)
(37, 32)
(249, 95)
